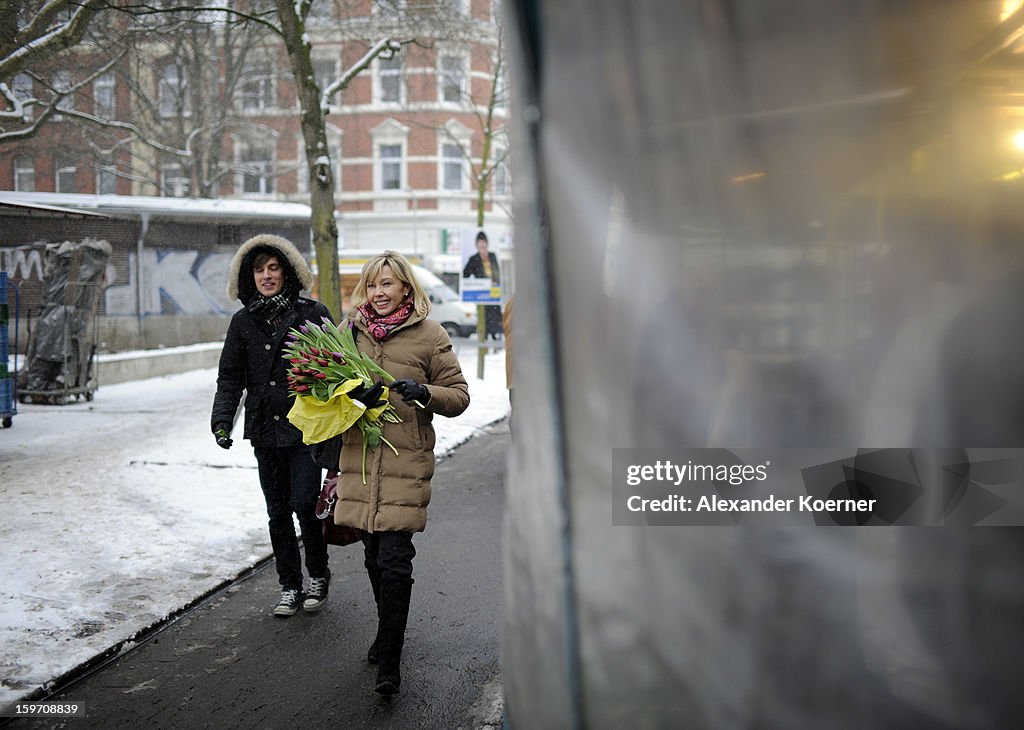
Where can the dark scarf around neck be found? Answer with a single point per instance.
(272, 309)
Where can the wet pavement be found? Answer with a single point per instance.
(231, 664)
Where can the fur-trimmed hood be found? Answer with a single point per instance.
(290, 257)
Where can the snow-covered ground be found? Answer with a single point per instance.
(120, 511)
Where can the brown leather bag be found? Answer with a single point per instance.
(333, 534)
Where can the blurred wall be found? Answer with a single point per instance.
(784, 224)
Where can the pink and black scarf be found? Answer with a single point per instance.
(381, 327)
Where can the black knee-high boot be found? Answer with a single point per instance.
(374, 573)
(394, 614)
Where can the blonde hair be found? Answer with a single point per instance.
(402, 270)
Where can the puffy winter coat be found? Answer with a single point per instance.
(251, 360)
(397, 489)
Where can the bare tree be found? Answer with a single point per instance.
(193, 136)
(33, 35)
(393, 25)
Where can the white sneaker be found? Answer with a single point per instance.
(289, 603)
(316, 596)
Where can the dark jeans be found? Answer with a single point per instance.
(388, 555)
(291, 483)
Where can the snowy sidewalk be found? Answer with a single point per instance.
(121, 511)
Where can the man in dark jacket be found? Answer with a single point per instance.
(266, 275)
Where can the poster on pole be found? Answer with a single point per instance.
(481, 275)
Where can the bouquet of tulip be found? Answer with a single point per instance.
(325, 367)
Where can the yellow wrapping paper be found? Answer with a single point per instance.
(320, 420)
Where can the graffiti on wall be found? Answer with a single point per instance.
(22, 262)
(187, 283)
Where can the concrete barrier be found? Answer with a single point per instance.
(120, 367)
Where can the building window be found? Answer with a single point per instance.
(66, 177)
(256, 168)
(501, 179)
(452, 177)
(257, 89)
(389, 72)
(453, 78)
(321, 11)
(103, 96)
(173, 92)
(388, 9)
(390, 167)
(326, 72)
(106, 180)
(501, 91)
(173, 182)
(62, 85)
(22, 89)
(24, 175)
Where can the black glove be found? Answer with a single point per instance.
(369, 397)
(222, 434)
(410, 390)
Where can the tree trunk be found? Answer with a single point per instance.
(321, 180)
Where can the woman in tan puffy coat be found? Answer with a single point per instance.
(389, 321)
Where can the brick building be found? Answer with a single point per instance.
(406, 136)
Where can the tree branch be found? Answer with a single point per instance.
(386, 48)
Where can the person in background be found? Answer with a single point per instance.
(389, 323)
(266, 275)
(484, 265)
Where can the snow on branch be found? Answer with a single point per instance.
(385, 48)
(41, 42)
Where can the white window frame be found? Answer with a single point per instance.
(257, 91)
(398, 161)
(501, 90)
(389, 74)
(62, 82)
(501, 174)
(65, 168)
(387, 9)
(390, 132)
(259, 170)
(444, 75)
(106, 173)
(332, 76)
(321, 12)
(450, 159)
(173, 92)
(173, 183)
(459, 7)
(104, 95)
(24, 174)
(23, 89)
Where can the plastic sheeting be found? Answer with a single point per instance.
(773, 225)
(61, 345)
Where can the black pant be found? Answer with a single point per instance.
(492, 320)
(291, 483)
(388, 555)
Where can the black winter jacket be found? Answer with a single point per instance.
(252, 361)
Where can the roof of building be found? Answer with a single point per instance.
(32, 208)
(158, 207)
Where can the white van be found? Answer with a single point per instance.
(457, 317)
